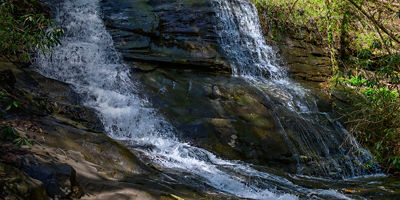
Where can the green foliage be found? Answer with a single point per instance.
(357, 81)
(19, 141)
(373, 117)
(6, 103)
(372, 85)
(9, 133)
(320, 17)
(345, 27)
(364, 54)
(23, 31)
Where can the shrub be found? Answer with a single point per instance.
(24, 30)
(373, 117)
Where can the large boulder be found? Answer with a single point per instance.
(59, 179)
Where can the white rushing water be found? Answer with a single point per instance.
(337, 152)
(88, 61)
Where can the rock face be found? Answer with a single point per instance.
(306, 61)
(182, 34)
(222, 114)
(59, 179)
(174, 33)
(71, 157)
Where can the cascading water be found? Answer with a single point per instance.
(88, 61)
(317, 139)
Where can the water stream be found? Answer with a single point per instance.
(333, 150)
(89, 62)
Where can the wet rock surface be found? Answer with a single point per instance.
(306, 61)
(70, 157)
(179, 34)
(231, 118)
(222, 114)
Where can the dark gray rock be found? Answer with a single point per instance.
(222, 114)
(170, 32)
(42, 96)
(59, 179)
(15, 184)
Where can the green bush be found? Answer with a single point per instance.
(373, 117)
(24, 30)
(8, 133)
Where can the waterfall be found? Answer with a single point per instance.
(89, 62)
(243, 41)
(319, 140)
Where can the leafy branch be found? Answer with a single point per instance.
(23, 33)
